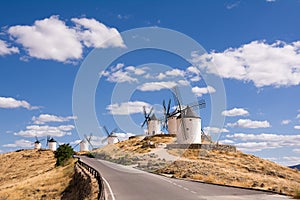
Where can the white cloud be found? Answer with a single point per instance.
(226, 141)
(235, 112)
(297, 127)
(52, 39)
(199, 91)
(215, 130)
(41, 131)
(20, 143)
(270, 0)
(156, 86)
(121, 77)
(285, 122)
(298, 116)
(127, 108)
(96, 34)
(248, 123)
(49, 38)
(193, 70)
(258, 142)
(6, 50)
(175, 73)
(135, 70)
(45, 118)
(296, 150)
(246, 64)
(9, 102)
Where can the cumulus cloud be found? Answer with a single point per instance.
(9, 102)
(95, 34)
(49, 38)
(258, 142)
(215, 130)
(255, 62)
(20, 143)
(156, 86)
(297, 127)
(235, 112)
(199, 91)
(127, 108)
(285, 122)
(52, 39)
(248, 123)
(45, 130)
(45, 118)
(6, 50)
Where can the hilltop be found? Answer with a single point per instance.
(217, 167)
(31, 174)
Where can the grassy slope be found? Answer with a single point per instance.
(31, 174)
(235, 169)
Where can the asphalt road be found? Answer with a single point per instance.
(126, 183)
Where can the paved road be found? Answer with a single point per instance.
(126, 183)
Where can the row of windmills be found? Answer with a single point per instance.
(51, 143)
(183, 121)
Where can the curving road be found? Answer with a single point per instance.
(126, 183)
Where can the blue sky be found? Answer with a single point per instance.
(252, 46)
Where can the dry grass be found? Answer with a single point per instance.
(236, 169)
(31, 174)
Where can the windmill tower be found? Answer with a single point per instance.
(111, 136)
(88, 139)
(188, 123)
(84, 145)
(51, 143)
(153, 123)
(37, 143)
(170, 119)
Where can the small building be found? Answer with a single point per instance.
(37, 145)
(52, 144)
(84, 146)
(112, 139)
(154, 126)
(188, 127)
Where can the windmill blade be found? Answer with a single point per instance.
(144, 122)
(144, 110)
(76, 145)
(89, 140)
(169, 106)
(200, 104)
(48, 138)
(106, 131)
(150, 112)
(184, 128)
(113, 131)
(177, 96)
(164, 106)
(37, 140)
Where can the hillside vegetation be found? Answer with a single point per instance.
(225, 168)
(31, 174)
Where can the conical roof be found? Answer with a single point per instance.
(51, 140)
(190, 113)
(153, 117)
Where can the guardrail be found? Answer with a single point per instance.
(98, 177)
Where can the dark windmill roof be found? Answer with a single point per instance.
(153, 117)
(113, 135)
(37, 142)
(52, 140)
(188, 113)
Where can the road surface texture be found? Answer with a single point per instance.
(127, 183)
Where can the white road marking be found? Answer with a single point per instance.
(186, 188)
(193, 192)
(109, 188)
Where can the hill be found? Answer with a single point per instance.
(31, 174)
(218, 167)
(295, 167)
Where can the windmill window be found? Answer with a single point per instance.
(190, 120)
(187, 129)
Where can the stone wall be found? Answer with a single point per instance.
(219, 147)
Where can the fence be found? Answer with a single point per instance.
(98, 177)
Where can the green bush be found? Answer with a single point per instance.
(297, 194)
(63, 153)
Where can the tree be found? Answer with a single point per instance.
(63, 153)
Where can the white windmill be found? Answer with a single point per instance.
(84, 145)
(88, 139)
(37, 143)
(111, 138)
(184, 121)
(153, 123)
(51, 143)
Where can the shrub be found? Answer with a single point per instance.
(63, 153)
